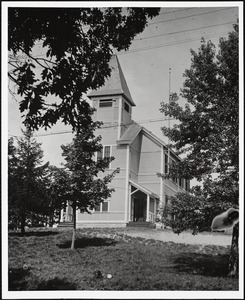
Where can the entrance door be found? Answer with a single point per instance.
(139, 210)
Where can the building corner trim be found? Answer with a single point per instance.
(127, 184)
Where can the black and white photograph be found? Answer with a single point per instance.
(122, 150)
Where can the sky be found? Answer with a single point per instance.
(164, 44)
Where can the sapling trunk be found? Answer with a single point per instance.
(74, 226)
(23, 222)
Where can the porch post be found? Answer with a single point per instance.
(155, 208)
(61, 215)
(147, 208)
(127, 184)
(129, 202)
(66, 213)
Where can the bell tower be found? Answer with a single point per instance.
(113, 104)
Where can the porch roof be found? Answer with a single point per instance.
(143, 189)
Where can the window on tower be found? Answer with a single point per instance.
(105, 103)
(126, 107)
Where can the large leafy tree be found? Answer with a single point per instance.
(87, 187)
(77, 45)
(207, 134)
(26, 185)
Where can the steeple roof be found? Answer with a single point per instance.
(115, 84)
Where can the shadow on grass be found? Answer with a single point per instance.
(88, 242)
(17, 279)
(33, 233)
(56, 284)
(202, 264)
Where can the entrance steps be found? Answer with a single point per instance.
(65, 225)
(141, 224)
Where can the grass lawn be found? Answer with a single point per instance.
(107, 259)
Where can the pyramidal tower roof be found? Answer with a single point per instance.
(115, 84)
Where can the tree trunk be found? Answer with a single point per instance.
(234, 254)
(23, 222)
(74, 226)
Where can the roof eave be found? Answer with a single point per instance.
(94, 95)
(124, 142)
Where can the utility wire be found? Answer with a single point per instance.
(169, 44)
(170, 20)
(103, 127)
(173, 11)
(185, 17)
(183, 31)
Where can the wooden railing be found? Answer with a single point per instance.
(67, 217)
(151, 217)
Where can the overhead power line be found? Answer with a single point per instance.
(176, 10)
(183, 31)
(171, 43)
(103, 127)
(179, 18)
(190, 16)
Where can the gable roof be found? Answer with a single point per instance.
(143, 189)
(114, 85)
(130, 134)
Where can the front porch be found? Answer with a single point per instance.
(142, 206)
(140, 212)
(66, 214)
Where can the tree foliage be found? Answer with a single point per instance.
(207, 132)
(208, 135)
(26, 186)
(77, 43)
(197, 208)
(87, 188)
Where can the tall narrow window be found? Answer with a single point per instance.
(97, 207)
(183, 183)
(126, 107)
(104, 153)
(105, 206)
(187, 184)
(107, 151)
(166, 164)
(100, 154)
(180, 182)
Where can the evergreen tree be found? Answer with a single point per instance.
(27, 191)
(208, 135)
(14, 219)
